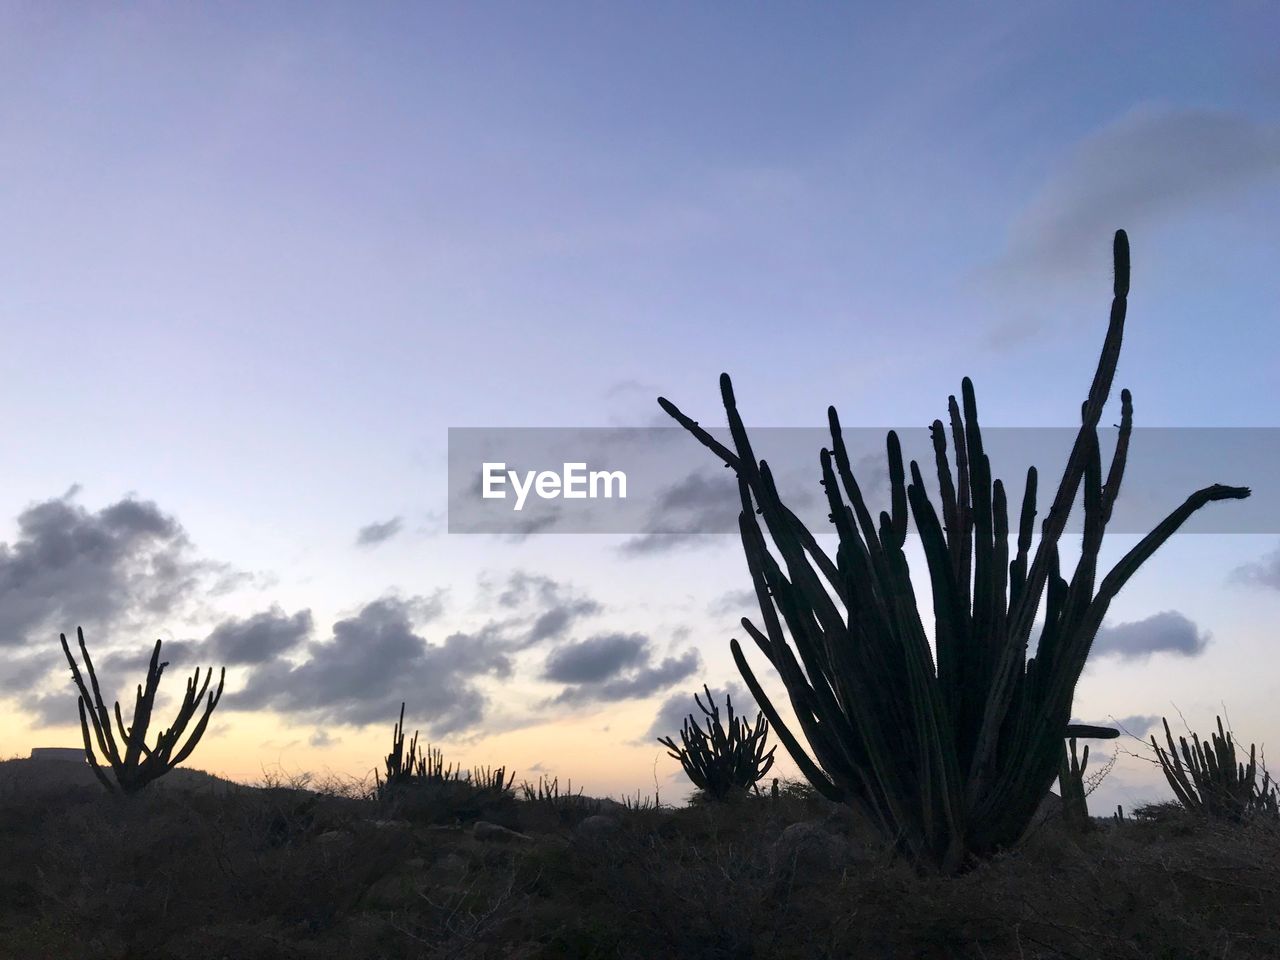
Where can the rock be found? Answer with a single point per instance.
(390, 824)
(809, 845)
(330, 836)
(484, 830)
(598, 826)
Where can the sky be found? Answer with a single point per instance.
(256, 261)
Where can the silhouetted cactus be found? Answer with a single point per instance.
(139, 764)
(420, 786)
(1075, 808)
(567, 808)
(408, 766)
(719, 760)
(949, 757)
(1072, 783)
(1209, 782)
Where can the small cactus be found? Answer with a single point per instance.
(720, 760)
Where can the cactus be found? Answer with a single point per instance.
(717, 760)
(568, 808)
(1208, 781)
(420, 785)
(139, 764)
(948, 756)
(406, 767)
(1073, 785)
(1075, 808)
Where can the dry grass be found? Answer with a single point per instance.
(284, 872)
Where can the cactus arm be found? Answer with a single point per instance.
(88, 750)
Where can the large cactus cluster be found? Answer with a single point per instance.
(139, 764)
(717, 759)
(1209, 781)
(948, 747)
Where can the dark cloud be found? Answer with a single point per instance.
(322, 738)
(256, 639)
(544, 608)
(376, 533)
(553, 623)
(177, 652)
(69, 566)
(1146, 166)
(637, 681)
(375, 660)
(1165, 632)
(597, 658)
(1263, 572)
(526, 527)
(677, 707)
(697, 505)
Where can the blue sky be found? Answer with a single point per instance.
(255, 262)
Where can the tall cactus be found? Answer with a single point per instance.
(139, 764)
(717, 759)
(949, 756)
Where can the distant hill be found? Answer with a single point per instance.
(28, 775)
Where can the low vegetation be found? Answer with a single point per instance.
(280, 872)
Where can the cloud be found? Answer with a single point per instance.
(375, 660)
(557, 606)
(553, 623)
(1149, 165)
(1264, 572)
(69, 566)
(735, 601)
(322, 738)
(376, 533)
(597, 658)
(635, 683)
(526, 527)
(1165, 632)
(684, 512)
(1138, 724)
(256, 639)
(677, 707)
